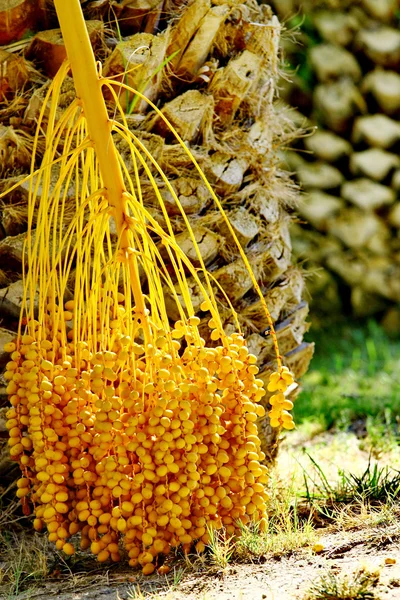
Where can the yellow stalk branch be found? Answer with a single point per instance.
(89, 91)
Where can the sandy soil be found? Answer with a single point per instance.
(280, 578)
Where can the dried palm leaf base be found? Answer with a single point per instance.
(124, 426)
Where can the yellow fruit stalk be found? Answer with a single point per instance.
(88, 87)
(125, 427)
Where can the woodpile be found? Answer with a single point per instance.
(347, 92)
(212, 69)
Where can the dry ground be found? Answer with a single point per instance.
(282, 578)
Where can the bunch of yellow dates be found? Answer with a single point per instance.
(142, 446)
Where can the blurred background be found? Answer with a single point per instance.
(341, 86)
(343, 59)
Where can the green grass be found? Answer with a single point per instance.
(221, 548)
(354, 375)
(285, 530)
(359, 586)
(252, 544)
(27, 563)
(375, 484)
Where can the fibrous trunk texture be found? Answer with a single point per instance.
(212, 70)
(348, 86)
